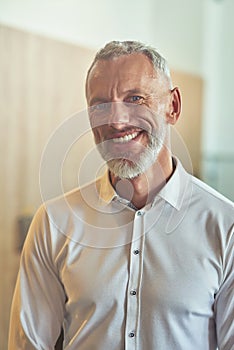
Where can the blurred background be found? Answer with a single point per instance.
(45, 49)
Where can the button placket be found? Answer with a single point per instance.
(134, 283)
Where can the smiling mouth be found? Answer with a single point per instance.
(126, 138)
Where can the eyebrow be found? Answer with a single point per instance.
(133, 91)
(98, 100)
(104, 100)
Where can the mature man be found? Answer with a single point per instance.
(143, 257)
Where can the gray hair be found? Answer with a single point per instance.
(120, 48)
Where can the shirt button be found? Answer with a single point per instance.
(136, 251)
(131, 334)
(139, 213)
(132, 292)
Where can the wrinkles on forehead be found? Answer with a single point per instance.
(122, 74)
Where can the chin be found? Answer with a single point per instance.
(124, 169)
(127, 169)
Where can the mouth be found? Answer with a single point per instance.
(126, 138)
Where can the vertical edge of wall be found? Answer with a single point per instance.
(189, 123)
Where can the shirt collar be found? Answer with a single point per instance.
(173, 192)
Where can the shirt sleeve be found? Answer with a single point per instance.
(224, 304)
(38, 304)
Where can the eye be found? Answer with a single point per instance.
(134, 99)
(100, 107)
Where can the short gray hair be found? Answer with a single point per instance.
(120, 48)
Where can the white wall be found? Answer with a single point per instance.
(174, 27)
(177, 28)
(218, 116)
(89, 22)
(219, 77)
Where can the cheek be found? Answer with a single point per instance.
(160, 118)
(150, 118)
(145, 139)
(160, 110)
(98, 134)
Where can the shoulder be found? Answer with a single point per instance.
(210, 197)
(86, 195)
(206, 208)
(201, 199)
(69, 208)
(211, 211)
(65, 205)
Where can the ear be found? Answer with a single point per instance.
(175, 106)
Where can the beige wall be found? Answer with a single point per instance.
(190, 121)
(42, 83)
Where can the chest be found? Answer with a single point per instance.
(166, 273)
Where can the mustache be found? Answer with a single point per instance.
(127, 114)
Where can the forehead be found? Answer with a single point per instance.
(134, 69)
(138, 63)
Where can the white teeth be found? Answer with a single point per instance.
(125, 138)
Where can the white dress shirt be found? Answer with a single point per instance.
(160, 278)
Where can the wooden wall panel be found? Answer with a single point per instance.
(41, 84)
(190, 122)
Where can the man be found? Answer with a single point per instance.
(143, 257)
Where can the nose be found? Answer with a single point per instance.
(119, 115)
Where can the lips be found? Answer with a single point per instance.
(125, 138)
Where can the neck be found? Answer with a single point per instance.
(142, 189)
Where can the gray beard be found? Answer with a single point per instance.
(126, 168)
